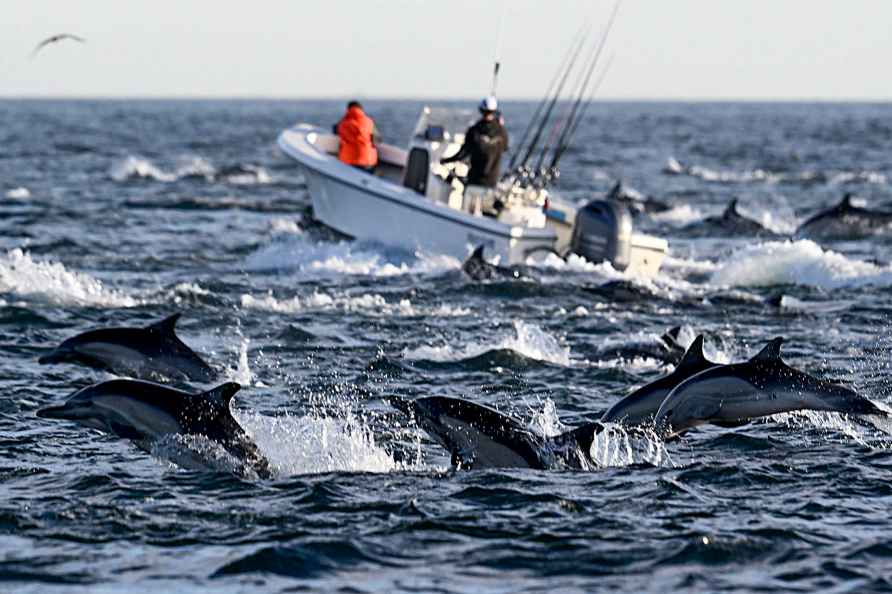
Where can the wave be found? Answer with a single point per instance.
(372, 303)
(134, 167)
(801, 262)
(299, 252)
(51, 281)
(528, 340)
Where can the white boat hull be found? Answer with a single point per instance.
(375, 209)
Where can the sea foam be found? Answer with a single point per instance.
(801, 262)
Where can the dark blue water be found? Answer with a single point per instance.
(120, 212)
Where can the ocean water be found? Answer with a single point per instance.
(121, 212)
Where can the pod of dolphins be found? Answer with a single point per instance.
(697, 392)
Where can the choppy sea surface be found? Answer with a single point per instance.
(121, 212)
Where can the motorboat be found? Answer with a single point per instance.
(414, 202)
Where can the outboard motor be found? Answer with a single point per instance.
(603, 231)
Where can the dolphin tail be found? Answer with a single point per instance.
(670, 338)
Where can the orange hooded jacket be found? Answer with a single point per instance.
(355, 131)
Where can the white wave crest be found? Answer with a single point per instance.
(371, 304)
(133, 167)
(20, 193)
(305, 255)
(311, 445)
(528, 340)
(678, 216)
(51, 281)
(801, 262)
(285, 227)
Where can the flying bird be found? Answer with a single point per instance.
(54, 39)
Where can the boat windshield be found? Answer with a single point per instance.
(444, 123)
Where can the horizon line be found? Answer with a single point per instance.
(420, 98)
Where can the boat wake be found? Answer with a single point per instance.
(290, 252)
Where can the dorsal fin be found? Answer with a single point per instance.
(846, 201)
(616, 191)
(694, 355)
(731, 209)
(477, 254)
(167, 326)
(223, 393)
(771, 351)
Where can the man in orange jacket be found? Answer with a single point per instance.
(358, 134)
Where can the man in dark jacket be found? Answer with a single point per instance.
(484, 144)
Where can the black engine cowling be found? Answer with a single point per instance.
(603, 231)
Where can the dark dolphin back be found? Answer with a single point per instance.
(475, 435)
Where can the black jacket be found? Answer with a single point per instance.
(485, 142)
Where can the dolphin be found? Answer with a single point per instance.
(665, 348)
(145, 353)
(733, 395)
(144, 412)
(641, 406)
(479, 437)
(845, 220)
(478, 269)
(730, 221)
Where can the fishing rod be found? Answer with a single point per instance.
(573, 119)
(496, 62)
(551, 104)
(563, 148)
(561, 124)
(532, 123)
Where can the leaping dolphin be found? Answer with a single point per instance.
(733, 395)
(153, 352)
(479, 437)
(641, 406)
(844, 221)
(144, 412)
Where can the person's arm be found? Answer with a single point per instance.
(463, 153)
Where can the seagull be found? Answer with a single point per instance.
(54, 39)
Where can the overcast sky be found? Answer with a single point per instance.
(665, 49)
